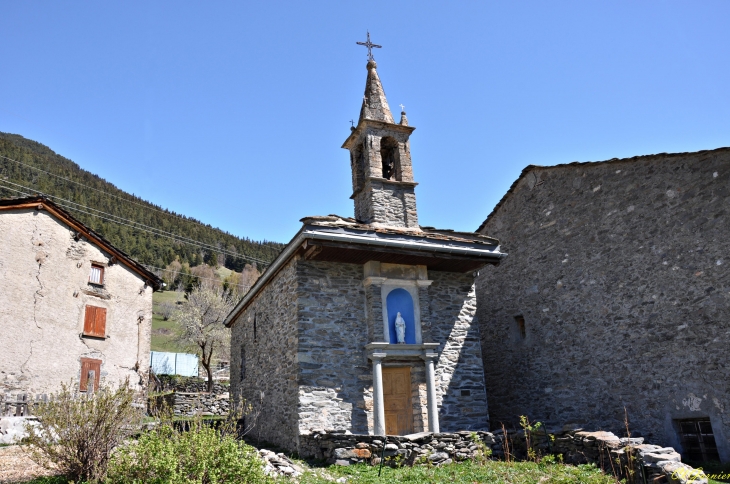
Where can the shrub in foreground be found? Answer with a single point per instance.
(77, 433)
(200, 454)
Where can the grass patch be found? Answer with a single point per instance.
(463, 473)
(164, 333)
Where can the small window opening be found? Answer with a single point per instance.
(90, 372)
(96, 276)
(254, 327)
(389, 156)
(243, 363)
(698, 441)
(466, 393)
(520, 324)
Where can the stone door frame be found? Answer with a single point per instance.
(380, 352)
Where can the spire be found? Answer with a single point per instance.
(374, 104)
(403, 117)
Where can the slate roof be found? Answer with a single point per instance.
(529, 168)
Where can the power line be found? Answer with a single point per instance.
(161, 232)
(138, 225)
(147, 205)
(85, 186)
(152, 268)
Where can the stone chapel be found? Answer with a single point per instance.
(366, 324)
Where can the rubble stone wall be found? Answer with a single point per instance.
(335, 379)
(388, 203)
(604, 449)
(334, 374)
(620, 270)
(264, 346)
(460, 391)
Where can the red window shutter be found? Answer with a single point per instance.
(89, 320)
(88, 365)
(95, 321)
(100, 326)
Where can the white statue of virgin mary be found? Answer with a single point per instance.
(400, 329)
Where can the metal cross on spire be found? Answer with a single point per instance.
(402, 107)
(370, 47)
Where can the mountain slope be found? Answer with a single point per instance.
(156, 250)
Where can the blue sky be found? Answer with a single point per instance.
(234, 112)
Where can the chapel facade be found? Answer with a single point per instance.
(365, 324)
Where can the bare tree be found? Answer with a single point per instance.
(201, 320)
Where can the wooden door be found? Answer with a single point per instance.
(397, 397)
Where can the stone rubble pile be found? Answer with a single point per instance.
(279, 464)
(628, 457)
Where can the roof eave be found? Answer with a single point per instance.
(490, 253)
(43, 202)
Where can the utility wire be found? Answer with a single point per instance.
(85, 186)
(148, 205)
(161, 232)
(153, 268)
(137, 225)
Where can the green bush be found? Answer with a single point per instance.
(77, 433)
(199, 455)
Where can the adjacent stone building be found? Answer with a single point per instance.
(614, 296)
(365, 324)
(72, 306)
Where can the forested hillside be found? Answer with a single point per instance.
(124, 219)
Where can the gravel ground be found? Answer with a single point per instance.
(16, 466)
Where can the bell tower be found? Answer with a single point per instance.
(380, 157)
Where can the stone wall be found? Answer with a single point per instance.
(387, 202)
(620, 272)
(336, 378)
(45, 274)
(334, 374)
(267, 333)
(649, 463)
(459, 372)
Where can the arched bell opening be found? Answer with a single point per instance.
(390, 157)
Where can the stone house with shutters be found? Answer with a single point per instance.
(615, 297)
(72, 306)
(366, 324)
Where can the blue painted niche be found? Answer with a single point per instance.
(400, 300)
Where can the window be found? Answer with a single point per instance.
(520, 324)
(95, 322)
(698, 441)
(90, 369)
(390, 158)
(243, 363)
(97, 274)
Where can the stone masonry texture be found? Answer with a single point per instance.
(264, 346)
(311, 361)
(620, 271)
(45, 274)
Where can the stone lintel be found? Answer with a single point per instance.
(388, 351)
(377, 281)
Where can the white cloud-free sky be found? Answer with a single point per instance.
(234, 112)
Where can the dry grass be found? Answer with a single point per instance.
(16, 466)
